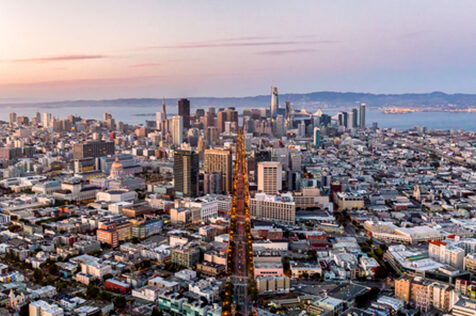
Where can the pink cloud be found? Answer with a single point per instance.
(145, 65)
(57, 58)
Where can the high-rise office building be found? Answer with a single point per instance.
(362, 116)
(289, 110)
(274, 101)
(186, 167)
(12, 118)
(221, 118)
(355, 118)
(177, 130)
(212, 134)
(46, 121)
(164, 109)
(106, 116)
(317, 137)
(345, 117)
(269, 177)
(217, 160)
(93, 149)
(350, 120)
(184, 111)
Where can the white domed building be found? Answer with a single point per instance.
(117, 170)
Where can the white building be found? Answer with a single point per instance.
(446, 253)
(207, 205)
(177, 130)
(271, 207)
(270, 177)
(42, 308)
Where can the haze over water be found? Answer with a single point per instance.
(433, 120)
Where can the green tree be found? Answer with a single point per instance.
(379, 252)
(92, 291)
(311, 254)
(38, 275)
(107, 276)
(105, 296)
(120, 302)
(53, 269)
(381, 273)
(156, 312)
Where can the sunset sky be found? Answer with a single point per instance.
(56, 50)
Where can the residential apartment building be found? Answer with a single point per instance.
(446, 253)
(278, 208)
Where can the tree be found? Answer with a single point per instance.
(38, 275)
(311, 254)
(156, 312)
(53, 269)
(105, 296)
(92, 291)
(120, 301)
(107, 276)
(379, 252)
(381, 273)
(135, 240)
(365, 248)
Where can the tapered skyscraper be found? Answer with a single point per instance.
(164, 110)
(274, 101)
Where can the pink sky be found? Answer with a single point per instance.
(110, 49)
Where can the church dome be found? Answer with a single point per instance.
(117, 168)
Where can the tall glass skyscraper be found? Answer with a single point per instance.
(274, 101)
(362, 116)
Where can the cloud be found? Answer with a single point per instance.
(241, 43)
(285, 52)
(145, 65)
(57, 58)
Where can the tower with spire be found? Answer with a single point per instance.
(164, 109)
(274, 101)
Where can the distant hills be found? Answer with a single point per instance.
(323, 99)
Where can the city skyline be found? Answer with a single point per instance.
(228, 49)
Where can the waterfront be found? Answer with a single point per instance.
(139, 114)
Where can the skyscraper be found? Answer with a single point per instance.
(46, 121)
(93, 149)
(270, 177)
(177, 130)
(350, 120)
(12, 118)
(274, 101)
(345, 117)
(288, 110)
(217, 160)
(164, 110)
(184, 111)
(240, 286)
(355, 117)
(362, 116)
(220, 121)
(317, 137)
(186, 167)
